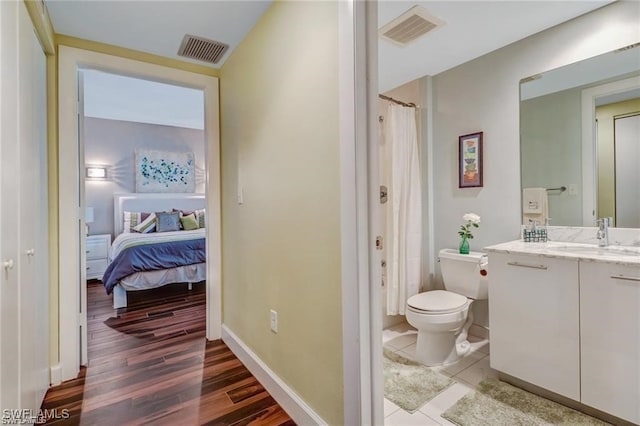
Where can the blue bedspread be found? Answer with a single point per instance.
(151, 257)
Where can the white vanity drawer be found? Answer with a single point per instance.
(96, 268)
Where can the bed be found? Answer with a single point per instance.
(141, 261)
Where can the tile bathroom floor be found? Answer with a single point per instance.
(466, 373)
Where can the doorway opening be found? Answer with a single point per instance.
(141, 144)
(72, 221)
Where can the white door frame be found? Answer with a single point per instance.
(589, 148)
(360, 216)
(71, 218)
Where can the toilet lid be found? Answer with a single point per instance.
(440, 301)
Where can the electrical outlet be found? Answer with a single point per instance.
(274, 321)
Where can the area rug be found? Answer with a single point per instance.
(498, 403)
(408, 384)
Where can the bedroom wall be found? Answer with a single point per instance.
(281, 247)
(113, 143)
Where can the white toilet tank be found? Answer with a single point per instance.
(462, 273)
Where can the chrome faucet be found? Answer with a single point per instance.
(603, 231)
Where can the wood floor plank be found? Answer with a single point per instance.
(150, 363)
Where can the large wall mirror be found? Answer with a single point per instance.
(580, 140)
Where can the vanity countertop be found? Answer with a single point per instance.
(622, 255)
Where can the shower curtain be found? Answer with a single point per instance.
(403, 228)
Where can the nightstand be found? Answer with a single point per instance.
(97, 255)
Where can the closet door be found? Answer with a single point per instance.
(40, 260)
(24, 289)
(9, 190)
(34, 342)
(26, 177)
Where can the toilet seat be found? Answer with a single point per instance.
(437, 302)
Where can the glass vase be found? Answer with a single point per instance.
(464, 245)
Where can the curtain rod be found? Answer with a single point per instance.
(395, 101)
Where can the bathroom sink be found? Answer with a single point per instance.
(598, 251)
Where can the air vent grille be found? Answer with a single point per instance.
(202, 49)
(410, 26)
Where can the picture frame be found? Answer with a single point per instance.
(470, 168)
(164, 172)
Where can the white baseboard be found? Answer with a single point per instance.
(55, 375)
(291, 402)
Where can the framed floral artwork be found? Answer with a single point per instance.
(161, 171)
(470, 160)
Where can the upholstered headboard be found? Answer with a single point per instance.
(152, 203)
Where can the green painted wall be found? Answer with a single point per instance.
(281, 247)
(606, 115)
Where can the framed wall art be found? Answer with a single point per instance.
(470, 160)
(161, 171)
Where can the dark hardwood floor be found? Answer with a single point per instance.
(150, 363)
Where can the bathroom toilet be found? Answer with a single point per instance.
(442, 317)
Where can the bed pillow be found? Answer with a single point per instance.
(200, 214)
(189, 222)
(184, 212)
(132, 219)
(167, 221)
(147, 225)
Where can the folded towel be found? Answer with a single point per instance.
(535, 205)
(533, 200)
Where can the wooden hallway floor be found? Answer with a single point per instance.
(150, 363)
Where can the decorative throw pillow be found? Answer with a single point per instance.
(147, 225)
(131, 219)
(200, 214)
(166, 221)
(183, 212)
(189, 222)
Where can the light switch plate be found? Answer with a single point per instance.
(240, 195)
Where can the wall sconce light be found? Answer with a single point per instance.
(96, 172)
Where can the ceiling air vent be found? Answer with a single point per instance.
(410, 26)
(202, 49)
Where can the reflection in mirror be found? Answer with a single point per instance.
(580, 129)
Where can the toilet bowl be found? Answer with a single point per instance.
(443, 317)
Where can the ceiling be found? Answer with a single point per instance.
(157, 26)
(116, 97)
(472, 28)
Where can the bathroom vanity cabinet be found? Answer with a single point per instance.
(570, 325)
(534, 316)
(610, 338)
